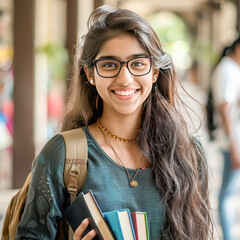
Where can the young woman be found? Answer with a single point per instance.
(140, 154)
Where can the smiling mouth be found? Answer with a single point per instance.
(125, 93)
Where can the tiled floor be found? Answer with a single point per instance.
(215, 166)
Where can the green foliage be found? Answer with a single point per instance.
(205, 53)
(170, 28)
(57, 57)
(175, 38)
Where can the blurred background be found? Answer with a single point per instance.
(37, 40)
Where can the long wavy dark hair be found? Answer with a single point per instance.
(179, 167)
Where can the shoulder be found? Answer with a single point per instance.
(229, 66)
(51, 159)
(54, 148)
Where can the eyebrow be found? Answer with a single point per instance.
(129, 57)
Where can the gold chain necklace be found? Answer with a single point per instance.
(133, 182)
(114, 136)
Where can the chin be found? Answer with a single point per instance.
(127, 111)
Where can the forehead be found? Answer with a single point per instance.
(121, 46)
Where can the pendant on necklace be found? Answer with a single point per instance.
(133, 183)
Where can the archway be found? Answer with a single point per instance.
(175, 38)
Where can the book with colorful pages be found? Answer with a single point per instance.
(140, 225)
(121, 224)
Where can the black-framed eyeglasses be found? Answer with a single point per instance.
(109, 68)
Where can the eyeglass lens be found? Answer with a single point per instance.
(111, 67)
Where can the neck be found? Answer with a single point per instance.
(125, 126)
(235, 58)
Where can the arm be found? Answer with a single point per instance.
(225, 115)
(46, 195)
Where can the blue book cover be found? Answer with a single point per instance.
(121, 224)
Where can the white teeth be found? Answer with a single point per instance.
(125, 93)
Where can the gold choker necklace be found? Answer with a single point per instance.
(132, 182)
(103, 129)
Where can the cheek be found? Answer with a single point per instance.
(148, 91)
(102, 88)
(148, 83)
(148, 88)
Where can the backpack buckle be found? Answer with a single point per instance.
(73, 182)
(72, 189)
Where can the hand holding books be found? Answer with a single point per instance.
(82, 228)
(85, 206)
(86, 219)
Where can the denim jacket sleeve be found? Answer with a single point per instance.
(46, 195)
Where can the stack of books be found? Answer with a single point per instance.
(114, 225)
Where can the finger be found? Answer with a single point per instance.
(90, 235)
(82, 227)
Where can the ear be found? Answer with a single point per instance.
(155, 75)
(89, 75)
(86, 70)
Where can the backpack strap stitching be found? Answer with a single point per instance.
(75, 170)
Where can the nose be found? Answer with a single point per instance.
(124, 77)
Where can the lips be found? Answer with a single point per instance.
(125, 92)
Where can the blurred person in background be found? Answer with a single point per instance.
(226, 96)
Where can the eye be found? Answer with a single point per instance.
(109, 65)
(138, 63)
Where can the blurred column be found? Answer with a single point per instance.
(72, 24)
(41, 76)
(24, 68)
(85, 9)
(214, 36)
(98, 3)
(78, 12)
(238, 15)
(208, 29)
(216, 27)
(204, 32)
(71, 33)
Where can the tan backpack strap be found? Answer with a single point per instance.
(75, 170)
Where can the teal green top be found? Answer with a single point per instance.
(107, 180)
